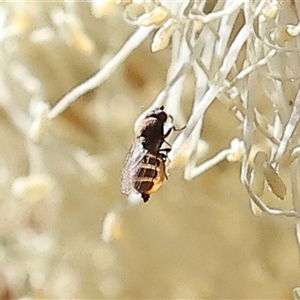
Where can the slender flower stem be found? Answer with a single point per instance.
(93, 82)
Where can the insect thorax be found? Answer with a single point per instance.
(152, 134)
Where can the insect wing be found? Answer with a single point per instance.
(132, 161)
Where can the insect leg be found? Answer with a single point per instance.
(173, 128)
(168, 144)
(169, 131)
(164, 152)
(178, 129)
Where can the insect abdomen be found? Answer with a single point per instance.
(150, 175)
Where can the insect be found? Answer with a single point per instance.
(144, 168)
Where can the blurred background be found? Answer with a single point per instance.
(66, 231)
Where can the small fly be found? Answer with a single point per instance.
(144, 169)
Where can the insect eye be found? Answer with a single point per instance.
(159, 114)
(162, 116)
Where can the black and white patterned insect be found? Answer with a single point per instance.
(144, 169)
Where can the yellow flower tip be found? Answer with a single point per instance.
(102, 8)
(293, 30)
(238, 150)
(32, 188)
(81, 40)
(21, 21)
(112, 227)
(163, 36)
(271, 10)
(156, 17)
(83, 43)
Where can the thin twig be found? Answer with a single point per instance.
(219, 14)
(289, 129)
(249, 70)
(267, 209)
(195, 171)
(213, 91)
(296, 196)
(93, 82)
